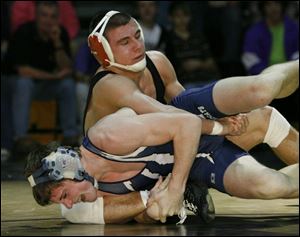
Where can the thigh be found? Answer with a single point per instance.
(198, 101)
(210, 167)
(232, 95)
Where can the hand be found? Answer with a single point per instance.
(153, 209)
(160, 184)
(55, 36)
(63, 73)
(234, 125)
(164, 202)
(191, 65)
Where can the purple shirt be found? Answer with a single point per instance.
(258, 44)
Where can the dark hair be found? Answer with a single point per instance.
(179, 5)
(48, 3)
(115, 21)
(41, 192)
(262, 4)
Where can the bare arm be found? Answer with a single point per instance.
(122, 208)
(61, 56)
(111, 134)
(108, 92)
(106, 210)
(116, 207)
(110, 209)
(28, 71)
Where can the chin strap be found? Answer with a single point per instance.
(137, 67)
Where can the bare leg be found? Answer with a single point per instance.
(288, 149)
(242, 94)
(292, 171)
(246, 178)
(291, 80)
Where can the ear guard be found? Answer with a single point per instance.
(61, 164)
(98, 44)
(101, 49)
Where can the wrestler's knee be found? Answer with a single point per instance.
(277, 128)
(259, 93)
(264, 115)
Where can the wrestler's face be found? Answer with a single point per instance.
(126, 43)
(70, 192)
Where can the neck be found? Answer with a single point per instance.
(91, 164)
(148, 24)
(43, 35)
(274, 22)
(182, 32)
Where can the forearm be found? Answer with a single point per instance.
(107, 209)
(144, 218)
(62, 59)
(207, 124)
(122, 208)
(185, 142)
(31, 72)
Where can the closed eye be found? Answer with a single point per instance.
(124, 42)
(138, 34)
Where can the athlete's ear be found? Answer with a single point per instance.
(97, 50)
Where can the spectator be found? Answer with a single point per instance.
(274, 39)
(162, 14)
(39, 57)
(223, 29)
(25, 11)
(155, 34)
(188, 50)
(6, 117)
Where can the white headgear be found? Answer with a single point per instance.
(102, 51)
(60, 164)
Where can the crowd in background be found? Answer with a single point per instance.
(45, 56)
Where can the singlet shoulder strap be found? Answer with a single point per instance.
(159, 85)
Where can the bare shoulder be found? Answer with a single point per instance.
(112, 83)
(163, 65)
(157, 56)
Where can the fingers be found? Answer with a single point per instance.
(243, 122)
(165, 183)
(159, 181)
(163, 215)
(239, 123)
